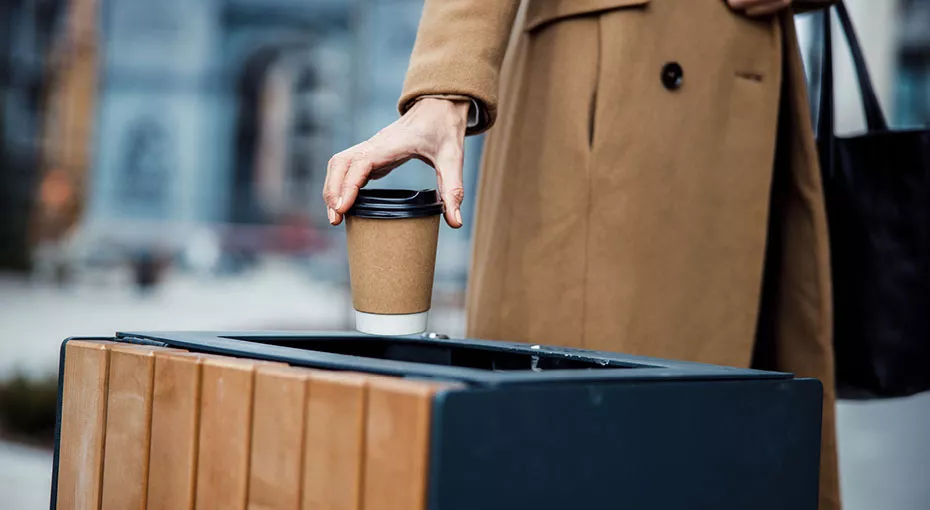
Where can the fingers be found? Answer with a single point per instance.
(332, 187)
(383, 171)
(356, 177)
(351, 169)
(449, 176)
(759, 7)
(768, 8)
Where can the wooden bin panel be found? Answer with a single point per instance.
(83, 424)
(129, 412)
(397, 443)
(175, 431)
(335, 441)
(277, 438)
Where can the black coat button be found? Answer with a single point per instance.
(672, 76)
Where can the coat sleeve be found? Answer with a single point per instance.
(458, 52)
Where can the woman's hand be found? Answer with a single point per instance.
(433, 130)
(759, 7)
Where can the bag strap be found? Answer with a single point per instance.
(826, 134)
(875, 118)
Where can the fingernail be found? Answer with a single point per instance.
(339, 203)
(332, 215)
(458, 216)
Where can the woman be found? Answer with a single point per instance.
(651, 186)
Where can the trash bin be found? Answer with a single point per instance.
(527, 426)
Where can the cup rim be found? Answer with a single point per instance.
(394, 203)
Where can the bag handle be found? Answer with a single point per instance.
(875, 118)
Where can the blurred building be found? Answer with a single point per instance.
(191, 89)
(27, 33)
(160, 117)
(913, 85)
(227, 111)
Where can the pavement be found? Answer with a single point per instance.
(36, 317)
(884, 450)
(25, 477)
(884, 446)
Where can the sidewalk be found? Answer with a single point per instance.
(34, 319)
(25, 477)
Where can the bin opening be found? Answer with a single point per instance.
(497, 360)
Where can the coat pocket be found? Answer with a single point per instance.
(542, 12)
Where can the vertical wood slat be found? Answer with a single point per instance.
(129, 411)
(224, 441)
(397, 438)
(175, 430)
(225, 432)
(83, 422)
(277, 437)
(334, 443)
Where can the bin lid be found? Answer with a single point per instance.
(433, 356)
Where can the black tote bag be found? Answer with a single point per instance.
(877, 190)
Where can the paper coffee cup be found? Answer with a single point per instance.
(392, 236)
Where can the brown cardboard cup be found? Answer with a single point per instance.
(392, 236)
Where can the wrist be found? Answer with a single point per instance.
(450, 112)
(455, 111)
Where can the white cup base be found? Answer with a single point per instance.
(390, 325)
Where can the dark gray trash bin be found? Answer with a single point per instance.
(547, 428)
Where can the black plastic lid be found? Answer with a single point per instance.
(396, 203)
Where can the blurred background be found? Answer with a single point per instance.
(161, 165)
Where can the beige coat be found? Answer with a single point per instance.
(617, 212)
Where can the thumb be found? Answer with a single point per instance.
(449, 176)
